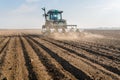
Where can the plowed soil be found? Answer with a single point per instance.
(26, 55)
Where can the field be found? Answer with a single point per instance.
(28, 55)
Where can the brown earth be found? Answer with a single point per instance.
(29, 55)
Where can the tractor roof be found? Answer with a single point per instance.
(54, 11)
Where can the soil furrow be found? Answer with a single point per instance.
(97, 52)
(115, 70)
(66, 65)
(2, 58)
(38, 67)
(2, 40)
(99, 68)
(51, 68)
(99, 46)
(33, 55)
(14, 61)
(4, 45)
(4, 48)
(28, 64)
(20, 68)
(9, 66)
(90, 49)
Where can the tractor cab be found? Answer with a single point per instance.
(54, 15)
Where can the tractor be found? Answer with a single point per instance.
(55, 23)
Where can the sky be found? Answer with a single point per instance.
(27, 14)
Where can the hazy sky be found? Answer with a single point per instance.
(84, 13)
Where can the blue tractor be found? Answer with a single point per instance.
(54, 21)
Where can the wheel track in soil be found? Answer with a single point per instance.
(32, 74)
(51, 68)
(110, 68)
(66, 65)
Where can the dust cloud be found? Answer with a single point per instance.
(75, 36)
